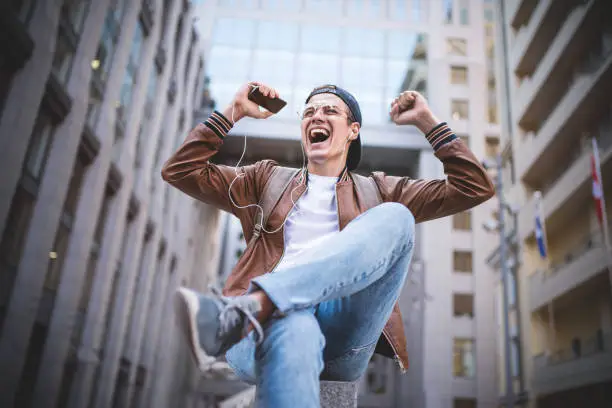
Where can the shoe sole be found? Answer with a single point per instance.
(186, 305)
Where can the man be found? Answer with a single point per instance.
(319, 284)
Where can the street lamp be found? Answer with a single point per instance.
(500, 226)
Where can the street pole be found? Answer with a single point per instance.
(504, 275)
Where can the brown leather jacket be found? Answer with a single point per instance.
(467, 185)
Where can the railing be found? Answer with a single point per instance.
(591, 241)
(598, 343)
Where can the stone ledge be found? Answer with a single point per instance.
(333, 395)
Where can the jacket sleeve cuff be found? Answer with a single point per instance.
(218, 124)
(440, 135)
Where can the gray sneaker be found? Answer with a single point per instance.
(214, 323)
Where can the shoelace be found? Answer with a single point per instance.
(229, 320)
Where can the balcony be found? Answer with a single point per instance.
(580, 270)
(533, 40)
(566, 369)
(567, 194)
(538, 94)
(583, 103)
(519, 11)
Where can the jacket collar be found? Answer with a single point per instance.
(344, 176)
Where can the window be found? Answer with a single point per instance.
(397, 10)
(116, 280)
(462, 261)
(459, 75)
(22, 205)
(11, 246)
(320, 39)
(492, 114)
(71, 23)
(142, 273)
(463, 305)
(31, 365)
(462, 221)
(101, 63)
(491, 146)
(464, 13)
(150, 98)
(460, 109)
(277, 35)
(130, 78)
(456, 46)
(38, 149)
(327, 7)
(463, 358)
(60, 247)
(286, 5)
(464, 403)
(448, 11)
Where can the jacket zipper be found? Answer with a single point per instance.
(397, 357)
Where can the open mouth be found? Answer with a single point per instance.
(318, 135)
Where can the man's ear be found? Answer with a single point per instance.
(354, 130)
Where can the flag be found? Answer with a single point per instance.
(597, 188)
(539, 225)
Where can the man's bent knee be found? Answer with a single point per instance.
(297, 336)
(399, 219)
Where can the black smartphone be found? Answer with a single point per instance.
(273, 105)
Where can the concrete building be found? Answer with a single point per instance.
(559, 69)
(94, 96)
(376, 49)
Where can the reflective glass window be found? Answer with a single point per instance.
(236, 32)
(397, 10)
(363, 42)
(229, 62)
(273, 67)
(315, 38)
(276, 35)
(448, 11)
(317, 69)
(333, 7)
(285, 5)
(363, 71)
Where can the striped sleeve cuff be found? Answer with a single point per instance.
(440, 135)
(218, 124)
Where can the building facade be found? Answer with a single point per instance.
(376, 49)
(94, 96)
(558, 59)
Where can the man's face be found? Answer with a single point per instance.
(325, 128)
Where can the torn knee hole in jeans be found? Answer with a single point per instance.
(353, 352)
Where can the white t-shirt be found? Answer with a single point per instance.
(313, 219)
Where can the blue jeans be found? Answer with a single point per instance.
(332, 307)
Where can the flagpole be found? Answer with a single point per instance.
(544, 255)
(604, 215)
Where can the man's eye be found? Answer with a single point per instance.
(331, 110)
(308, 112)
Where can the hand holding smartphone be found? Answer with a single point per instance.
(273, 105)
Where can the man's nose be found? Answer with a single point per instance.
(318, 114)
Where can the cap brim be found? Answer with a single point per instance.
(354, 154)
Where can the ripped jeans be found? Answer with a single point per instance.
(332, 307)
